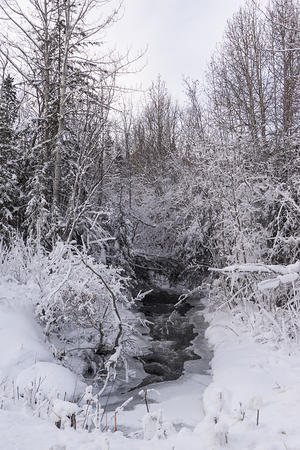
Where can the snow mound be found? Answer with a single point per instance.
(21, 338)
(51, 380)
(253, 401)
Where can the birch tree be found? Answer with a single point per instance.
(60, 60)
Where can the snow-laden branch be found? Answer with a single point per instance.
(259, 268)
(285, 274)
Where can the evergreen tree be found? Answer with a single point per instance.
(9, 194)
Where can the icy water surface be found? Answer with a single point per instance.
(172, 334)
(177, 354)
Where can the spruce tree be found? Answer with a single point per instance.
(9, 192)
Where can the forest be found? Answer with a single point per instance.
(103, 199)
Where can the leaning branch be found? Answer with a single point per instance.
(114, 302)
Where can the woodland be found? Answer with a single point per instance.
(96, 191)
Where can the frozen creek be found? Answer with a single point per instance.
(176, 364)
(172, 333)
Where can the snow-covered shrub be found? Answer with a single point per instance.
(84, 305)
(155, 427)
(213, 401)
(63, 413)
(87, 305)
(284, 225)
(212, 435)
(265, 298)
(21, 261)
(91, 413)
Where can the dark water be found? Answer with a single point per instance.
(171, 335)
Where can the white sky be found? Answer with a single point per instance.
(180, 36)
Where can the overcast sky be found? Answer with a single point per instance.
(180, 36)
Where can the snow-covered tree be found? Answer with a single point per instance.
(9, 158)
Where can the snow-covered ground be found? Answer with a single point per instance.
(252, 400)
(255, 390)
(25, 355)
(27, 365)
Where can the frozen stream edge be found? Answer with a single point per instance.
(181, 399)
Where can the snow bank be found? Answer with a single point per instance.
(255, 393)
(51, 380)
(21, 339)
(28, 363)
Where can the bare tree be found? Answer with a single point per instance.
(70, 80)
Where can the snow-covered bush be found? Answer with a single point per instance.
(63, 413)
(83, 304)
(20, 261)
(88, 304)
(266, 298)
(155, 427)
